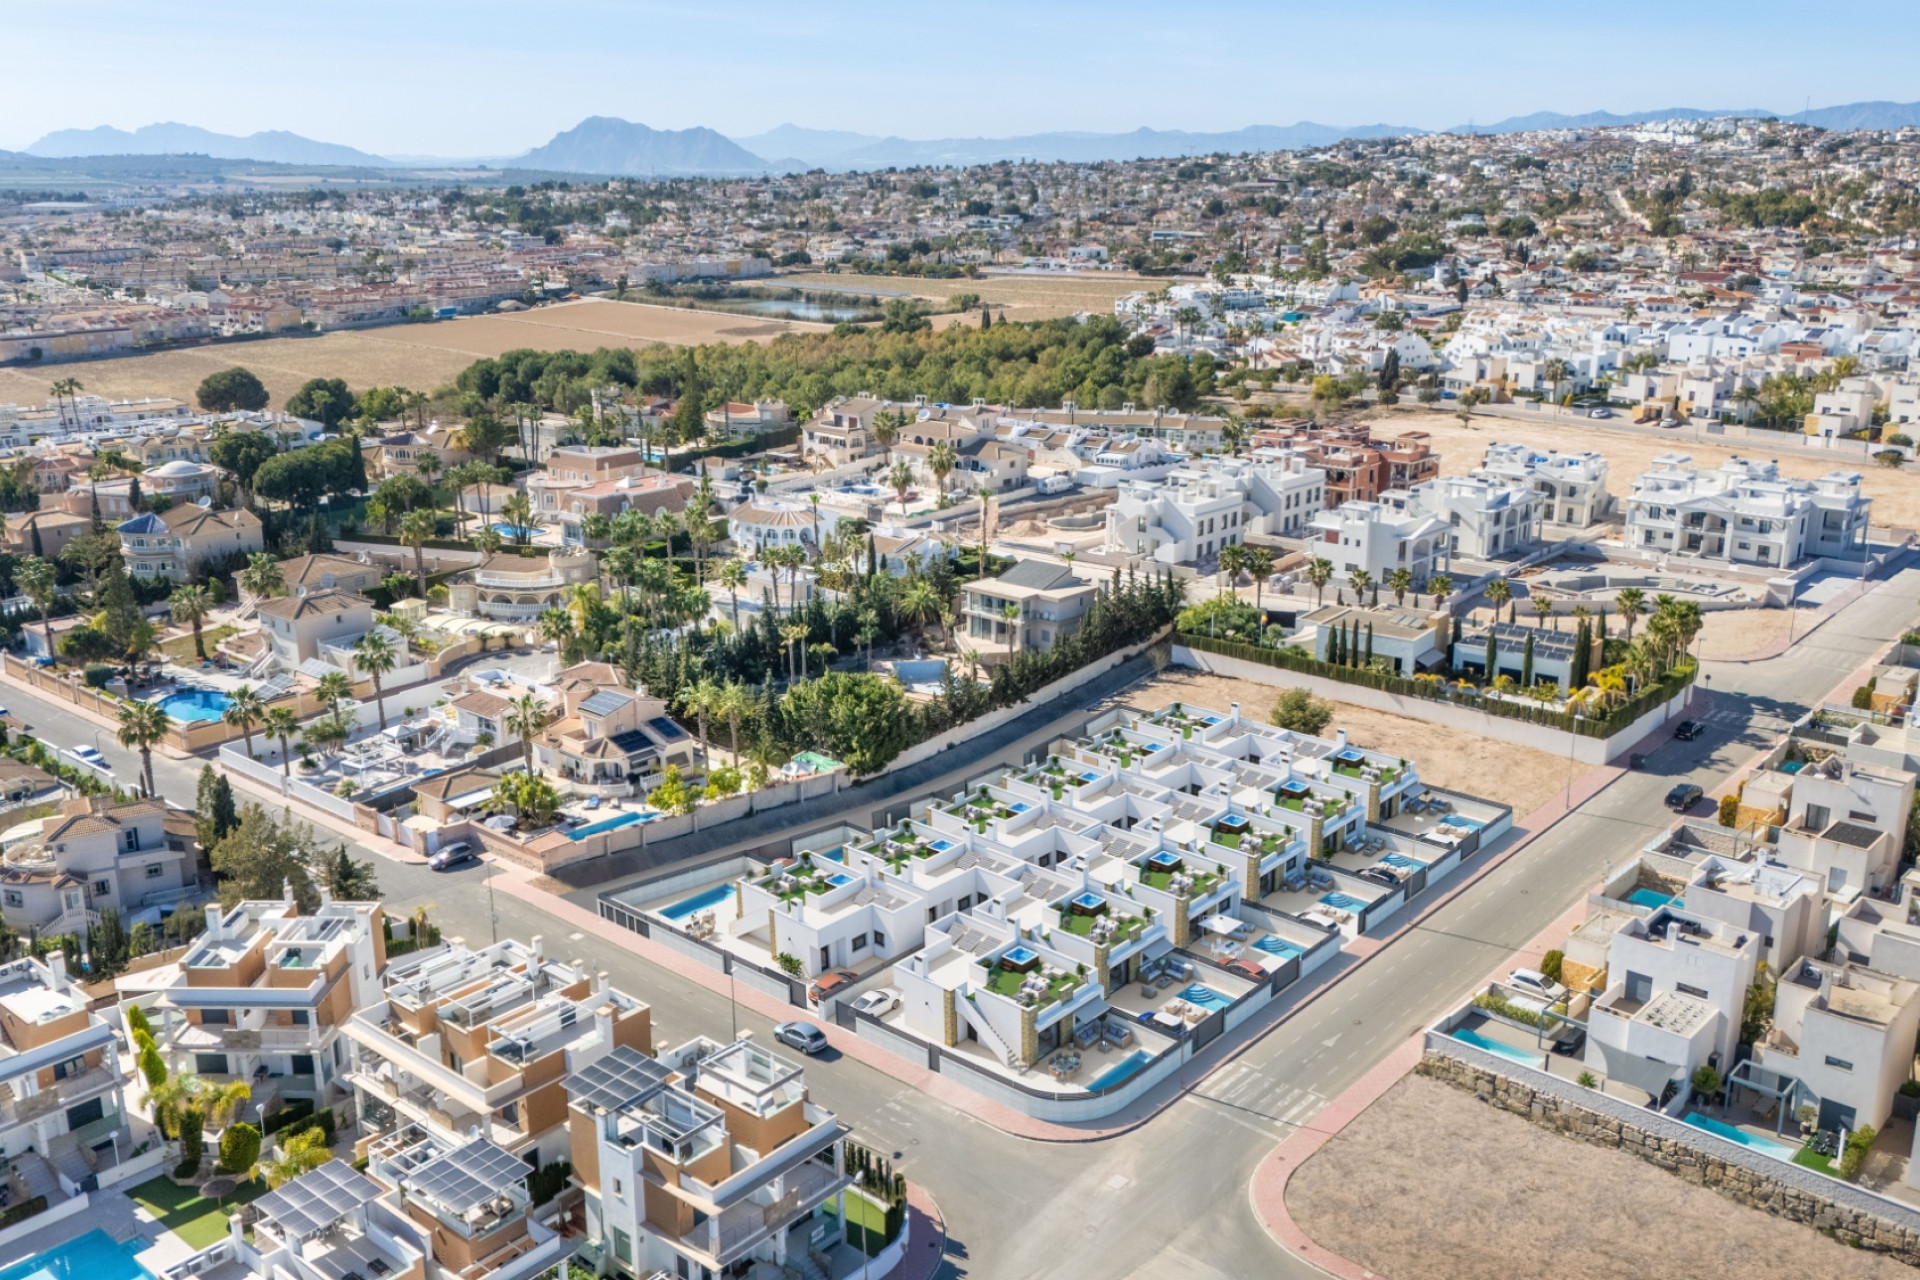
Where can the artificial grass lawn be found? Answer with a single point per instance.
(180, 648)
(1811, 1159)
(183, 1211)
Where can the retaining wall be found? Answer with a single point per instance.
(1850, 1213)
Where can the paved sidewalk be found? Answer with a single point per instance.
(927, 1231)
(1826, 612)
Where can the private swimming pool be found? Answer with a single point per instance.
(1119, 1073)
(1278, 947)
(93, 1256)
(506, 530)
(1402, 860)
(196, 704)
(609, 824)
(1342, 902)
(1204, 996)
(1478, 1041)
(1720, 1129)
(699, 902)
(1649, 898)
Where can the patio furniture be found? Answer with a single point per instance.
(1167, 1022)
(1087, 1035)
(1119, 1033)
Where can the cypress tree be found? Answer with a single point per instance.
(38, 550)
(133, 493)
(1603, 626)
(1369, 644)
(1493, 654)
(1526, 663)
(1513, 614)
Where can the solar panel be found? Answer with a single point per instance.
(665, 729)
(605, 702)
(315, 1201)
(633, 742)
(470, 1176)
(620, 1079)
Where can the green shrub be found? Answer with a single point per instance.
(1586, 1080)
(1730, 811)
(239, 1148)
(1863, 698)
(1551, 964)
(294, 1112)
(1706, 1081)
(1507, 1009)
(548, 1181)
(98, 673)
(1854, 1154)
(22, 1211)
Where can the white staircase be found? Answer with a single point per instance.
(36, 1176)
(984, 1030)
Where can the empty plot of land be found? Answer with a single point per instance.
(1450, 758)
(1021, 297)
(1895, 494)
(1429, 1182)
(420, 356)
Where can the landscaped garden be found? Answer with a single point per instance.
(189, 1215)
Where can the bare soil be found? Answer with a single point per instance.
(1015, 297)
(1433, 1184)
(1452, 758)
(1742, 633)
(421, 356)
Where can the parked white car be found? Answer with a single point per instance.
(878, 1003)
(1533, 980)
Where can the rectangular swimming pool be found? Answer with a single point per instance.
(1343, 902)
(1204, 996)
(1720, 1129)
(1278, 947)
(699, 902)
(1649, 898)
(1121, 1071)
(93, 1256)
(608, 824)
(1507, 1051)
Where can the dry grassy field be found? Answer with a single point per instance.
(1429, 1182)
(421, 356)
(1022, 297)
(1450, 758)
(1896, 495)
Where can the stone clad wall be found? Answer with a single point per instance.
(1845, 1212)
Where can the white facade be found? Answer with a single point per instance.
(1572, 486)
(1743, 512)
(1378, 538)
(1197, 510)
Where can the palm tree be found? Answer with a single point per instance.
(1630, 603)
(556, 625)
(735, 705)
(1011, 612)
(262, 577)
(333, 689)
(221, 1103)
(941, 460)
(191, 604)
(1259, 563)
(1543, 607)
(416, 530)
(1400, 581)
(796, 638)
(733, 576)
(142, 725)
(300, 1154)
(526, 716)
(375, 655)
(282, 723)
(35, 577)
(900, 479)
(520, 516)
(1359, 580)
(170, 1101)
(1319, 573)
(244, 710)
(920, 604)
(699, 524)
(1232, 560)
(701, 699)
(66, 389)
(1499, 591)
(886, 430)
(1555, 371)
(1440, 586)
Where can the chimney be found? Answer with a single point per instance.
(1233, 709)
(57, 961)
(603, 1024)
(286, 889)
(537, 946)
(213, 921)
(1340, 736)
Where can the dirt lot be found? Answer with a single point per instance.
(1429, 1182)
(421, 356)
(1740, 633)
(1450, 758)
(1896, 495)
(1021, 297)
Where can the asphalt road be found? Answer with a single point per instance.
(1171, 1197)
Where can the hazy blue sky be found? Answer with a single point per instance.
(472, 77)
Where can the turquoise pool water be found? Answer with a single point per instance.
(1402, 860)
(1204, 996)
(1278, 947)
(1118, 1073)
(699, 902)
(1478, 1041)
(514, 530)
(196, 704)
(93, 1256)
(608, 824)
(1342, 902)
(1649, 898)
(1720, 1129)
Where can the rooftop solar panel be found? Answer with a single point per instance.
(619, 1079)
(605, 702)
(315, 1201)
(469, 1176)
(665, 729)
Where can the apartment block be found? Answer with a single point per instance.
(62, 1104)
(263, 996)
(1743, 512)
(1572, 486)
(1378, 537)
(703, 1161)
(1197, 510)
(481, 1041)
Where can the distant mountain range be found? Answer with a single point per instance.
(276, 146)
(605, 145)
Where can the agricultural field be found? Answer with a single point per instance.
(421, 356)
(1021, 297)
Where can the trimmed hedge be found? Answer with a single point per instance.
(294, 1112)
(1605, 726)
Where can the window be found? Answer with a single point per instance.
(1839, 1064)
(102, 888)
(859, 942)
(879, 939)
(155, 871)
(618, 1190)
(214, 1017)
(13, 898)
(1686, 990)
(300, 1018)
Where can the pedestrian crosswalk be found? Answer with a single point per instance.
(1241, 1091)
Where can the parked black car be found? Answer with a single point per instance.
(1684, 797)
(1688, 730)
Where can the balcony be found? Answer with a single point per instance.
(546, 581)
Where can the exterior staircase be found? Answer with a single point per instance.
(984, 1030)
(36, 1177)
